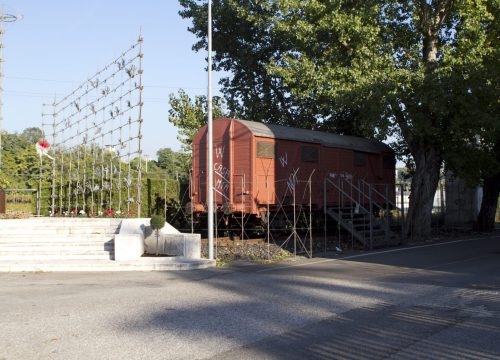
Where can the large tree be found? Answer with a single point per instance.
(189, 115)
(473, 147)
(392, 67)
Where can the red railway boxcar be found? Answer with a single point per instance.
(257, 164)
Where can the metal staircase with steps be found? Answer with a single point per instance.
(356, 213)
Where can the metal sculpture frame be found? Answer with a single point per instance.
(96, 134)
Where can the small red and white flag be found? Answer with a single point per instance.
(42, 148)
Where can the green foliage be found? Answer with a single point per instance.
(190, 115)
(157, 222)
(173, 163)
(157, 193)
(20, 162)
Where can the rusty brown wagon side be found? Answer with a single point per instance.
(257, 164)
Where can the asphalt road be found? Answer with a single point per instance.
(438, 301)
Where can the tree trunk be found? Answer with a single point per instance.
(423, 187)
(486, 218)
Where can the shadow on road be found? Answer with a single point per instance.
(433, 302)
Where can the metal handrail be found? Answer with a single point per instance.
(362, 193)
(380, 194)
(347, 195)
(366, 212)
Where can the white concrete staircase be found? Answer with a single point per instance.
(72, 244)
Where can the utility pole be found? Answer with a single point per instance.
(3, 19)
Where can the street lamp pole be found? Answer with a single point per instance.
(210, 141)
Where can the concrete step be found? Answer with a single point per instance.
(57, 246)
(61, 221)
(143, 264)
(46, 231)
(55, 238)
(55, 255)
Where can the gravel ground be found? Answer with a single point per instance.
(248, 252)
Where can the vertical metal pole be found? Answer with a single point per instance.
(324, 213)
(402, 196)
(39, 202)
(120, 140)
(78, 148)
(268, 220)
(85, 151)
(53, 196)
(192, 199)
(359, 193)
(210, 140)
(441, 200)
(111, 149)
(294, 217)
(70, 177)
(139, 135)
(242, 206)
(310, 219)
(61, 185)
(352, 216)
(370, 215)
(216, 227)
(387, 217)
(340, 199)
(92, 196)
(102, 165)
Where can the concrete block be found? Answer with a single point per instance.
(185, 245)
(129, 243)
(129, 246)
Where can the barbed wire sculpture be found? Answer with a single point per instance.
(96, 141)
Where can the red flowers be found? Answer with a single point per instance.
(44, 144)
(109, 212)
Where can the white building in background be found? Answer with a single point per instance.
(458, 202)
(403, 193)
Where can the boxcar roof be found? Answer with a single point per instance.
(313, 136)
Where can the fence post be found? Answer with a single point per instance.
(310, 217)
(324, 213)
(386, 214)
(402, 195)
(268, 220)
(39, 195)
(294, 217)
(370, 215)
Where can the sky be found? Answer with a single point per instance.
(58, 44)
